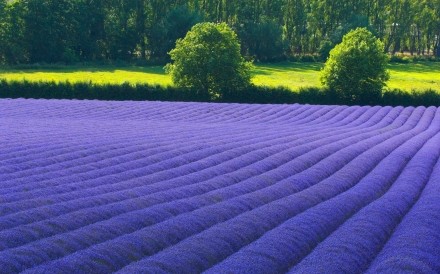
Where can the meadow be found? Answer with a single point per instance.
(414, 76)
(149, 187)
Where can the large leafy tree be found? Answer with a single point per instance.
(12, 48)
(356, 68)
(49, 25)
(208, 59)
(164, 32)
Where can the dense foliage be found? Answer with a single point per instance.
(252, 94)
(92, 30)
(149, 187)
(356, 68)
(208, 60)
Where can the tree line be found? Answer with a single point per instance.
(51, 31)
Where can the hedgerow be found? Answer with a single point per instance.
(251, 94)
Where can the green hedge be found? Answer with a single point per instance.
(253, 94)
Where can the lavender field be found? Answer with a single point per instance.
(154, 187)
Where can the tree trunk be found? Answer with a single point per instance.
(437, 46)
(140, 22)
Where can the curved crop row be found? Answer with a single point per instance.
(92, 186)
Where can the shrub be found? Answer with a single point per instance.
(324, 49)
(208, 59)
(400, 59)
(398, 97)
(356, 68)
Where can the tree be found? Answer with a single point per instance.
(208, 59)
(13, 50)
(356, 68)
(49, 25)
(120, 27)
(52, 31)
(164, 33)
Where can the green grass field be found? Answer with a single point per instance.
(417, 76)
(413, 76)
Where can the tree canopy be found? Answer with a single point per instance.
(356, 68)
(208, 59)
(94, 30)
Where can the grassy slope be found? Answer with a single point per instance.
(292, 75)
(415, 76)
(113, 75)
(419, 76)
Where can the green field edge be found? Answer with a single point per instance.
(413, 77)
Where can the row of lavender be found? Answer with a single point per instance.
(92, 186)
